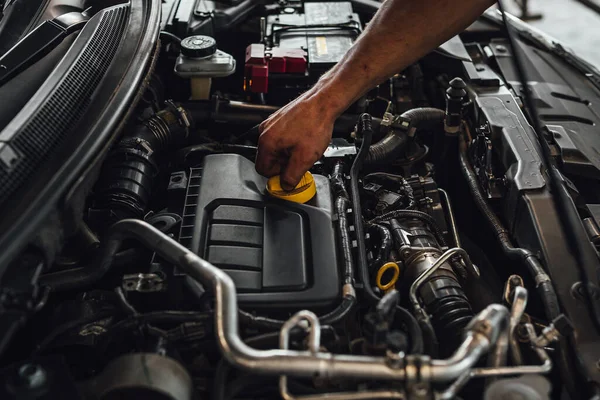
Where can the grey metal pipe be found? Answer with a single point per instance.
(517, 310)
(425, 275)
(482, 332)
(479, 338)
(451, 218)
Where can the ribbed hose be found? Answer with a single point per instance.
(124, 188)
(388, 148)
(543, 284)
(342, 203)
(449, 316)
(366, 130)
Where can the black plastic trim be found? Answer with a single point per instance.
(73, 164)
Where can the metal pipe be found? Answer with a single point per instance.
(517, 310)
(478, 340)
(368, 395)
(482, 332)
(544, 368)
(450, 217)
(416, 285)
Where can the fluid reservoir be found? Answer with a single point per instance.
(200, 61)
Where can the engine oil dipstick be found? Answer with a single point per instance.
(303, 192)
(384, 272)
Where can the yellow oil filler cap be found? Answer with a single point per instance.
(303, 192)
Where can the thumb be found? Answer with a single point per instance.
(293, 172)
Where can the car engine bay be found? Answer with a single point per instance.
(430, 264)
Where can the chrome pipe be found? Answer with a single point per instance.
(451, 217)
(543, 368)
(482, 331)
(425, 275)
(517, 310)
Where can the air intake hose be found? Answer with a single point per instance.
(402, 130)
(125, 185)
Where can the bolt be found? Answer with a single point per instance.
(31, 376)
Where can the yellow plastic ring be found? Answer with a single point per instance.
(384, 268)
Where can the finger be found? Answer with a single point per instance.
(268, 163)
(298, 164)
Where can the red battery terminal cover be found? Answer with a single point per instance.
(260, 62)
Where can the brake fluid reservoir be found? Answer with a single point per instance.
(200, 61)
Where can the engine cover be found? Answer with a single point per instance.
(278, 253)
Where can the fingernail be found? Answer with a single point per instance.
(287, 187)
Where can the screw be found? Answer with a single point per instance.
(31, 376)
(501, 49)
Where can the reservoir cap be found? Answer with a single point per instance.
(303, 192)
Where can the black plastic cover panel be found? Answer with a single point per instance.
(278, 253)
(567, 104)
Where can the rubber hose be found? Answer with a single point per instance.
(388, 307)
(412, 328)
(388, 147)
(385, 246)
(525, 256)
(544, 286)
(365, 128)
(430, 341)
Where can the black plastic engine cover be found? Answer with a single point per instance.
(278, 253)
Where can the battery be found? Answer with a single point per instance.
(325, 30)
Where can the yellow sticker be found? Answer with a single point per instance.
(321, 45)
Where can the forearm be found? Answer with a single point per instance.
(399, 34)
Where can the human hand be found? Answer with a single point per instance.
(294, 138)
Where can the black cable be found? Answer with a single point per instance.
(124, 303)
(270, 340)
(336, 315)
(577, 240)
(171, 37)
(68, 326)
(415, 333)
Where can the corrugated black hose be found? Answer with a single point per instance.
(342, 202)
(543, 284)
(388, 148)
(365, 129)
(531, 262)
